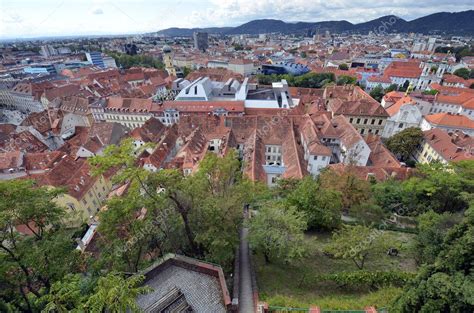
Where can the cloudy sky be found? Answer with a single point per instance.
(31, 18)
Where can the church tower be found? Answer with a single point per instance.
(168, 60)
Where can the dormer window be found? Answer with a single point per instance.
(273, 155)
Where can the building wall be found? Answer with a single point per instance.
(401, 80)
(408, 116)
(372, 85)
(440, 107)
(426, 154)
(242, 69)
(316, 163)
(89, 204)
(357, 154)
(18, 101)
(368, 124)
(128, 120)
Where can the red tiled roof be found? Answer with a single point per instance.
(393, 109)
(455, 147)
(380, 156)
(403, 69)
(12, 159)
(457, 99)
(379, 173)
(204, 106)
(129, 104)
(73, 174)
(62, 91)
(42, 160)
(451, 120)
(379, 79)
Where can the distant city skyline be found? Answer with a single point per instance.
(29, 18)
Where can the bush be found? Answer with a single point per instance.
(380, 298)
(374, 280)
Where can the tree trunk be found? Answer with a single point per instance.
(138, 257)
(23, 268)
(189, 234)
(359, 266)
(267, 259)
(184, 215)
(27, 301)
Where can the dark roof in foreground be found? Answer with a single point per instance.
(184, 282)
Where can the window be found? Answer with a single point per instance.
(358, 121)
(275, 179)
(324, 158)
(350, 120)
(400, 125)
(273, 155)
(380, 122)
(84, 201)
(362, 131)
(366, 121)
(376, 131)
(71, 206)
(315, 157)
(373, 121)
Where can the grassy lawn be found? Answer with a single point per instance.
(291, 285)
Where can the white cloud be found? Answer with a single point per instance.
(12, 18)
(234, 12)
(97, 11)
(55, 17)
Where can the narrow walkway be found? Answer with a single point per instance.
(246, 304)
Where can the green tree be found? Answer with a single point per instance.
(321, 206)
(126, 61)
(278, 232)
(405, 86)
(441, 188)
(392, 197)
(462, 72)
(129, 230)
(29, 263)
(309, 80)
(404, 143)
(65, 295)
(377, 93)
(432, 228)
(354, 191)
(392, 87)
(447, 285)
(343, 67)
(432, 92)
(346, 80)
(114, 293)
(367, 212)
(357, 243)
(204, 208)
(186, 71)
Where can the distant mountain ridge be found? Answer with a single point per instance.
(457, 23)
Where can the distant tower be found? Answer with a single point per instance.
(168, 60)
(201, 41)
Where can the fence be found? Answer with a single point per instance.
(280, 309)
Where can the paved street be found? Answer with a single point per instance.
(246, 304)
